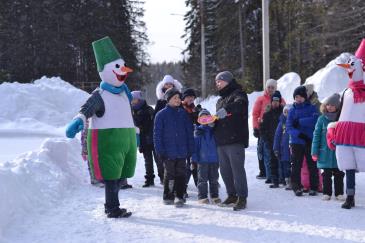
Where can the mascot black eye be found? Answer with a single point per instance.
(117, 65)
(352, 63)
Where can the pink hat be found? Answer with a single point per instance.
(360, 53)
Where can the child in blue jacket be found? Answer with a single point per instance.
(326, 158)
(206, 156)
(174, 143)
(302, 118)
(281, 148)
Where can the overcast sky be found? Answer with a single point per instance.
(165, 30)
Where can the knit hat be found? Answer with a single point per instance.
(271, 82)
(225, 76)
(333, 100)
(188, 92)
(137, 95)
(276, 96)
(170, 93)
(105, 52)
(204, 112)
(301, 91)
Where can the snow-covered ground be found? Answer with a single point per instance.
(46, 195)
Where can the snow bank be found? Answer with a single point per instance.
(287, 84)
(39, 106)
(38, 180)
(330, 79)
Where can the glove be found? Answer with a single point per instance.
(304, 137)
(277, 154)
(315, 157)
(74, 127)
(296, 123)
(256, 132)
(221, 113)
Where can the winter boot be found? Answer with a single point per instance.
(240, 204)
(312, 193)
(288, 184)
(179, 202)
(268, 181)
(216, 200)
(203, 201)
(349, 203)
(118, 213)
(229, 202)
(275, 185)
(149, 181)
(298, 192)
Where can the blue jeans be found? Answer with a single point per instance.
(208, 172)
(350, 182)
(267, 158)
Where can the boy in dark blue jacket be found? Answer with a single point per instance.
(174, 142)
(206, 156)
(301, 121)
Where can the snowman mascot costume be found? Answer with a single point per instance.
(348, 134)
(111, 142)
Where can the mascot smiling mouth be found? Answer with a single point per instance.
(120, 77)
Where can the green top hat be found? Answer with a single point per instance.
(105, 52)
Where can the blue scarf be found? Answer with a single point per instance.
(116, 90)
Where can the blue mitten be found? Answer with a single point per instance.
(74, 127)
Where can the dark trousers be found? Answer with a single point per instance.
(284, 169)
(260, 156)
(350, 182)
(208, 172)
(111, 195)
(298, 153)
(338, 181)
(190, 172)
(274, 167)
(148, 155)
(174, 178)
(232, 167)
(267, 155)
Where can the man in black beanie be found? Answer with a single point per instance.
(231, 135)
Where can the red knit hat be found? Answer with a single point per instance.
(360, 53)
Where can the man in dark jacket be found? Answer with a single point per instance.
(143, 118)
(231, 134)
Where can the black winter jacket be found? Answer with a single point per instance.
(143, 119)
(270, 121)
(233, 128)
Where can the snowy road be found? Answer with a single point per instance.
(273, 215)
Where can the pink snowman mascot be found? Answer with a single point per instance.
(348, 133)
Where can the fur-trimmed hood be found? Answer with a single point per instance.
(166, 79)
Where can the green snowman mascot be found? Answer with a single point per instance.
(111, 140)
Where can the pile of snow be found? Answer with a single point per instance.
(36, 181)
(287, 84)
(44, 105)
(330, 79)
